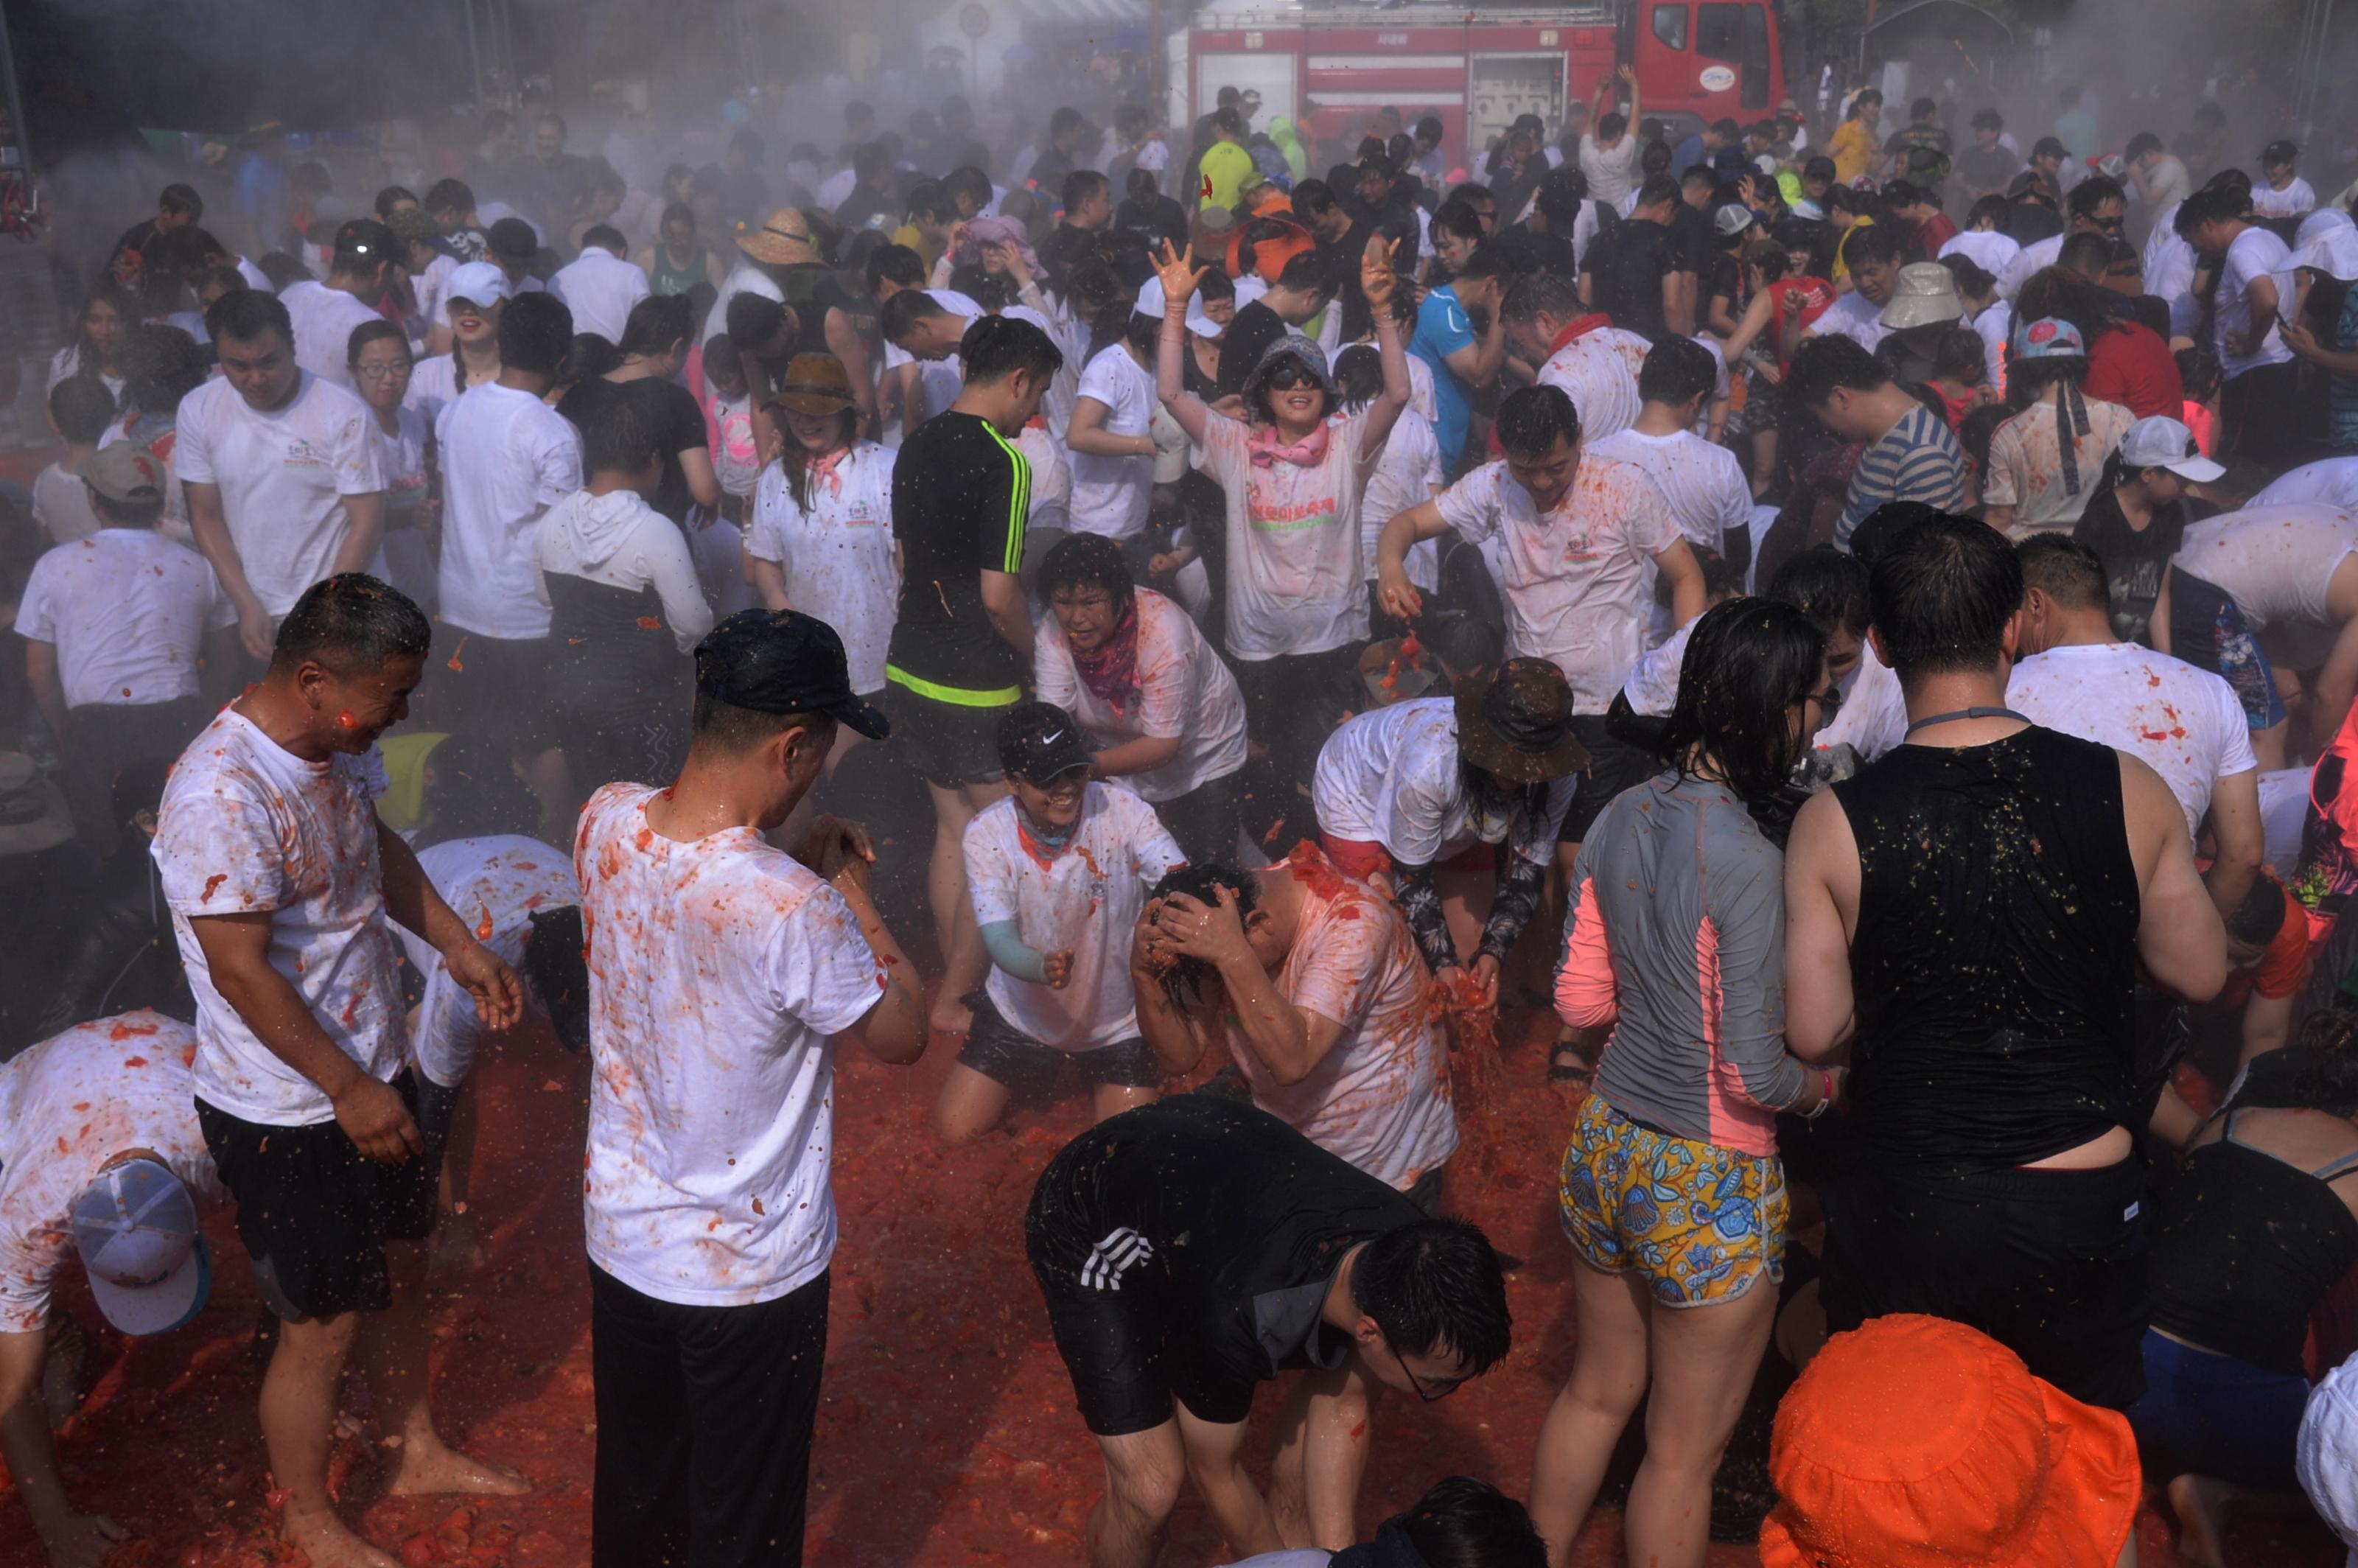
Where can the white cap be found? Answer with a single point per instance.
(2157, 441)
(135, 1226)
(2326, 1456)
(479, 282)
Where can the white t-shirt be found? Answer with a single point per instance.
(1873, 717)
(433, 386)
(1111, 494)
(745, 278)
(282, 477)
(248, 826)
(1652, 687)
(1086, 897)
(493, 884)
(838, 555)
(1183, 690)
(2169, 261)
(66, 362)
(1578, 582)
(1594, 371)
(1052, 476)
(507, 457)
(402, 456)
(2026, 465)
(1296, 583)
(1392, 777)
(2029, 259)
(619, 540)
(1407, 477)
(600, 287)
(1380, 1097)
(943, 379)
(430, 290)
(1703, 482)
(2254, 253)
(61, 505)
(2333, 481)
(1991, 251)
(2186, 724)
(127, 611)
(2275, 562)
(1995, 325)
(719, 968)
(2294, 200)
(1852, 315)
(323, 320)
(1611, 171)
(68, 1106)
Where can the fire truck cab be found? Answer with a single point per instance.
(1478, 69)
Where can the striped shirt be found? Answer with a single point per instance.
(1916, 459)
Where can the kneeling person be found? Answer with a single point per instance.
(1194, 1247)
(1059, 869)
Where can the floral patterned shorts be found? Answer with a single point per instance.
(1698, 1222)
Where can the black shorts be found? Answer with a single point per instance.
(1206, 820)
(1005, 1055)
(2051, 1264)
(495, 689)
(1119, 1347)
(947, 743)
(315, 1213)
(1613, 766)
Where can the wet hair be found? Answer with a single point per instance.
(1089, 560)
(81, 408)
(1972, 283)
(1657, 190)
(1465, 1523)
(656, 322)
(1824, 363)
(587, 357)
(2327, 1079)
(449, 196)
(1611, 125)
(351, 624)
(1459, 219)
(161, 365)
(1435, 1285)
(536, 334)
(604, 237)
(1870, 243)
(369, 332)
(2261, 916)
(1358, 375)
(1748, 663)
(2064, 570)
(1533, 419)
(2199, 372)
(2211, 204)
(1827, 584)
(1770, 256)
(1186, 978)
(996, 347)
(247, 313)
(898, 314)
(753, 319)
(1996, 209)
(1677, 369)
(1313, 197)
(1943, 592)
(1079, 186)
(626, 429)
(1561, 191)
(1538, 292)
(1975, 431)
(1958, 354)
(2094, 193)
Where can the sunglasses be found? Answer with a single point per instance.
(1289, 375)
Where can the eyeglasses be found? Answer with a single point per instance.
(2109, 226)
(1439, 1388)
(1289, 375)
(1829, 702)
(380, 372)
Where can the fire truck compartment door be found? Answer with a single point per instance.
(1270, 74)
(1501, 88)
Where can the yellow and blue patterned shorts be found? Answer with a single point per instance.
(1698, 1222)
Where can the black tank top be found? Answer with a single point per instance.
(1995, 962)
(2244, 1247)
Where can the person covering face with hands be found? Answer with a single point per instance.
(280, 877)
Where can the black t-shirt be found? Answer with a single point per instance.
(1698, 241)
(1161, 220)
(682, 431)
(1241, 346)
(960, 494)
(1531, 250)
(1228, 1208)
(1627, 269)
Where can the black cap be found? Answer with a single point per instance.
(364, 239)
(782, 662)
(512, 239)
(2280, 152)
(1039, 742)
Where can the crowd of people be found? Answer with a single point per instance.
(1869, 637)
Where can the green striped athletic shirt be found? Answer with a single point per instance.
(960, 494)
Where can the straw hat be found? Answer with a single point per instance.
(1517, 726)
(783, 239)
(1918, 1442)
(817, 385)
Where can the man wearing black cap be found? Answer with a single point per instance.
(364, 269)
(719, 969)
(514, 247)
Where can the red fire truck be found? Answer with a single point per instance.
(1480, 68)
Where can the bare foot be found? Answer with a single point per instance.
(2200, 1504)
(323, 1538)
(432, 1466)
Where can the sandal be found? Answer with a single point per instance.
(1567, 1066)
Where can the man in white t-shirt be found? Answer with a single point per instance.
(2259, 417)
(722, 972)
(1582, 538)
(2333, 481)
(1059, 870)
(922, 334)
(283, 483)
(1595, 363)
(117, 629)
(1608, 156)
(599, 285)
(2186, 724)
(1703, 481)
(2293, 571)
(283, 884)
(124, 1190)
(364, 268)
(1113, 455)
(507, 457)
